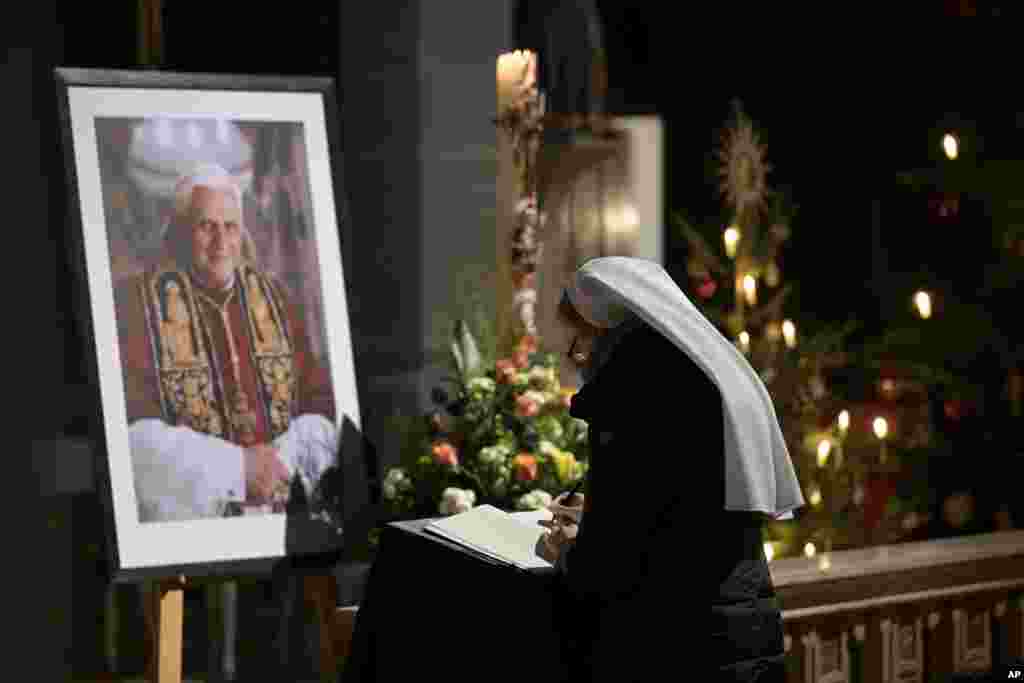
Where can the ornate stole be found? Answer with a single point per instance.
(192, 388)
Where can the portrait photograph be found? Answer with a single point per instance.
(210, 239)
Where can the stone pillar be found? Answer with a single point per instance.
(417, 91)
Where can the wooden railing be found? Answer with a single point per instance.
(907, 613)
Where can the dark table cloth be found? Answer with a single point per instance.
(433, 610)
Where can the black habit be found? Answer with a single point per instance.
(667, 585)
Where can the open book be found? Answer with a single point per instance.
(508, 538)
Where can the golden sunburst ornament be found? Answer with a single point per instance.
(743, 169)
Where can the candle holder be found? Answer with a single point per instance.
(521, 111)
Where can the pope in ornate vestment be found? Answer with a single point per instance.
(226, 404)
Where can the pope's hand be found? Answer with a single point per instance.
(554, 542)
(264, 472)
(567, 513)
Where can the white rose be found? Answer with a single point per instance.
(454, 501)
(534, 500)
(396, 475)
(547, 448)
(539, 397)
(542, 377)
(485, 384)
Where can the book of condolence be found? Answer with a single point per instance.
(507, 538)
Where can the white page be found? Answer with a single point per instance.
(531, 517)
(455, 539)
(494, 533)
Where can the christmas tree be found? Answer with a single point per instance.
(843, 448)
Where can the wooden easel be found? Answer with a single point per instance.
(165, 613)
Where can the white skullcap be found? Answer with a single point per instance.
(208, 175)
(759, 474)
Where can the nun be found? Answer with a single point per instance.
(661, 560)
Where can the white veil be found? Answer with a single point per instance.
(759, 474)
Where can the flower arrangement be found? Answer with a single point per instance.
(501, 435)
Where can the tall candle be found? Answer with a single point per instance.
(516, 74)
(881, 431)
(750, 289)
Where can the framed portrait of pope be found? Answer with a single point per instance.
(209, 223)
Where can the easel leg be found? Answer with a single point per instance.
(229, 597)
(216, 671)
(111, 630)
(322, 593)
(166, 608)
(288, 594)
(222, 630)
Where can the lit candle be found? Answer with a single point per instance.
(745, 341)
(789, 333)
(816, 497)
(881, 428)
(810, 550)
(844, 421)
(514, 75)
(923, 303)
(844, 425)
(950, 146)
(824, 448)
(732, 239)
(750, 289)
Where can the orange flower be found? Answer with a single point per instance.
(528, 344)
(526, 406)
(521, 359)
(524, 467)
(506, 370)
(445, 454)
(524, 280)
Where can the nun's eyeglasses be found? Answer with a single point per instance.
(577, 356)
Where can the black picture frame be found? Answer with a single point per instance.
(143, 550)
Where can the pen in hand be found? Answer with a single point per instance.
(569, 499)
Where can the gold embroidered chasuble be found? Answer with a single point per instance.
(233, 363)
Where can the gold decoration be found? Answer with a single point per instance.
(188, 374)
(743, 168)
(268, 338)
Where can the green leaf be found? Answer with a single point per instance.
(468, 352)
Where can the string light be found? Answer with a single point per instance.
(951, 146)
(745, 341)
(816, 497)
(824, 448)
(810, 550)
(881, 428)
(923, 303)
(750, 289)
(844, 421)
(732, 238)
(789, 333)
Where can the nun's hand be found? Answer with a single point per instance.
(567, 513)
(553, 543)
